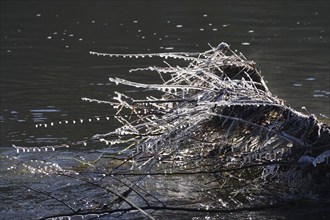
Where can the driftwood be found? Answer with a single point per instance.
(212, 128)
(219, 110)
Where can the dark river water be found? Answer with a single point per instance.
(46, 67)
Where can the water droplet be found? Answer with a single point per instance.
(179, 25)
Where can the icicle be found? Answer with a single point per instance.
(17, 149)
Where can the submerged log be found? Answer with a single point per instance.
(302, 140)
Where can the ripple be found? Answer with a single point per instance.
(321, 93)
(44, 110)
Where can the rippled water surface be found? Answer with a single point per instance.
(46, 69)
